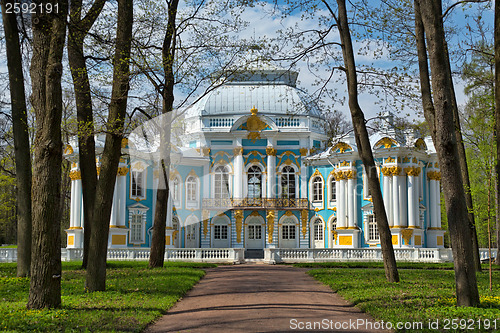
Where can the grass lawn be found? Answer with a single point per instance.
(134, 297)
(426, 293)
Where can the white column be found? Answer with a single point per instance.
(432, 204)
(341, 205)
(403, 202)
(395, 201)
(271, 172)
(72, 205)
(412, 209)
(351, 197)
(78, 203)
(438, 205)
(122, 200)
(114, 207)
(238, 172)
(387, 199)
(169, 212)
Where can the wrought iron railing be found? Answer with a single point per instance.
(249, 203)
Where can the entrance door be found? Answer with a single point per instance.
(319, 234)
(288, 234)
(254, 235)
(191, 236)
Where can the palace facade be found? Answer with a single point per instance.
(251, 170)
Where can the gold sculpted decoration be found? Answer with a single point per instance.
(434, 175)
(347, 174)
(270, 225)
(386, 171)
(238, 151)
(386, 142)
(406, 234)
(344, 163)
(412, 171)
(74, 175)
(303, 151)
(254, 125)
(238, 215)
(271, 151)
(342, 147)
(68, 150)
(124, 142)
(303, 219)
(123, 171)
(390, 160)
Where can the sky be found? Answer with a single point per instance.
(261, 24)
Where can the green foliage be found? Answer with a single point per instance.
(136, 295)
(421, 296)
(7, 208)
(478, 125)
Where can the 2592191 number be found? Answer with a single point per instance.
(31, 8)
(469, 324)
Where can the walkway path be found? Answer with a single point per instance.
(261, 298)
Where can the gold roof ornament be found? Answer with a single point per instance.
(342, 147)
(386, 142)
(254, 125)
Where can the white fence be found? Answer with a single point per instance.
(229, 255)
(373, 254)
(223, 255)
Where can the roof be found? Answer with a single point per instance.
(269, 89)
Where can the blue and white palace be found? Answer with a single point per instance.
(252, 172)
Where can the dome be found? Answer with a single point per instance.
(269, 89)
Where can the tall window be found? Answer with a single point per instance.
(288, 183)
(191, 188)
(137, 185)
(372, 229)
(333, 189)
(254, 182)
(191, 232)
(254, 231)
(221, 183)
(136, 228)
(288, 231)
(220, 232)
(318, 230)
(176, 189)
(317, 189)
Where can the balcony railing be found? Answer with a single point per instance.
(256, 203)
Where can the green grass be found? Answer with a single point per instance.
(9, 246)
(135, 296)
(423, 295)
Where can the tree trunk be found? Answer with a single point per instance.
(96, 267)
(157, 255)
(364, 147)
(497, 120)
(49, 32)
(21, 141)
(464, 170)
(447, 151)
(78, 29)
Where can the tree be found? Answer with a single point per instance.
(363, 142)
(497, 118)
(21, 140)
(78, 29)
(98, 244)
(49, 32)
(438, 110)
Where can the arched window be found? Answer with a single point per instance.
(254, 182)
(221, 183)
(333, 189)
(176, 189)
(373, 234)
(318, 230)
(137, 184)
(288, 183)
(317, 189)
(191, 189)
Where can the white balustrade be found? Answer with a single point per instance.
(230, 255)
